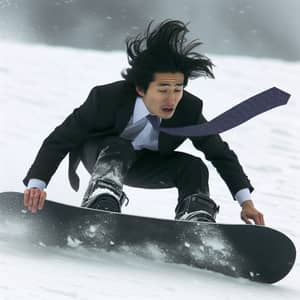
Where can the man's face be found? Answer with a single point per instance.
(163, 94)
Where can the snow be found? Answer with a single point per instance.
(41, 85)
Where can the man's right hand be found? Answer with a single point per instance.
(34, 199)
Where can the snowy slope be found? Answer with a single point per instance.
(40, 86)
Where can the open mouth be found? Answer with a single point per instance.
(167, 109)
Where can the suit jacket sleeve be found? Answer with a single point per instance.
(223, 159)
(64, 138)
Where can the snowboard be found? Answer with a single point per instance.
(254, 252)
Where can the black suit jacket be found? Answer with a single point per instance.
(106, 112)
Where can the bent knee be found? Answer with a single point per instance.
(193, 165)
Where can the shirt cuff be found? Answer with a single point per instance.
(36, 183)
(243, 195)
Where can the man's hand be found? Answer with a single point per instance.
(249, 212)
(34, 199)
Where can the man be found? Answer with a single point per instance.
(113, 134)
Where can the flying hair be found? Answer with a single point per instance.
(164, 49)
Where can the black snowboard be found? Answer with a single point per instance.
(255, 252)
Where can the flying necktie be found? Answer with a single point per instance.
(231, 118)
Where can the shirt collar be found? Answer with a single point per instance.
(140, 110)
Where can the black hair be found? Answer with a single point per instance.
(164, 49)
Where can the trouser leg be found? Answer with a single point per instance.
(113, 162)
(108, 161)
(181, 170)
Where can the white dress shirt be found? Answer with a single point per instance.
(146, 137)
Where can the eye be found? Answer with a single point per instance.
(162, 91)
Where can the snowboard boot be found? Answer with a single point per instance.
(197, 208)
(106, 196)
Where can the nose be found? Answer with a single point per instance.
(171, 98)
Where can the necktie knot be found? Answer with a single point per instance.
(154, 120)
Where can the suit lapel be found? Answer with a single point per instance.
(125, 110)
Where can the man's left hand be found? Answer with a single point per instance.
(249, 212)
